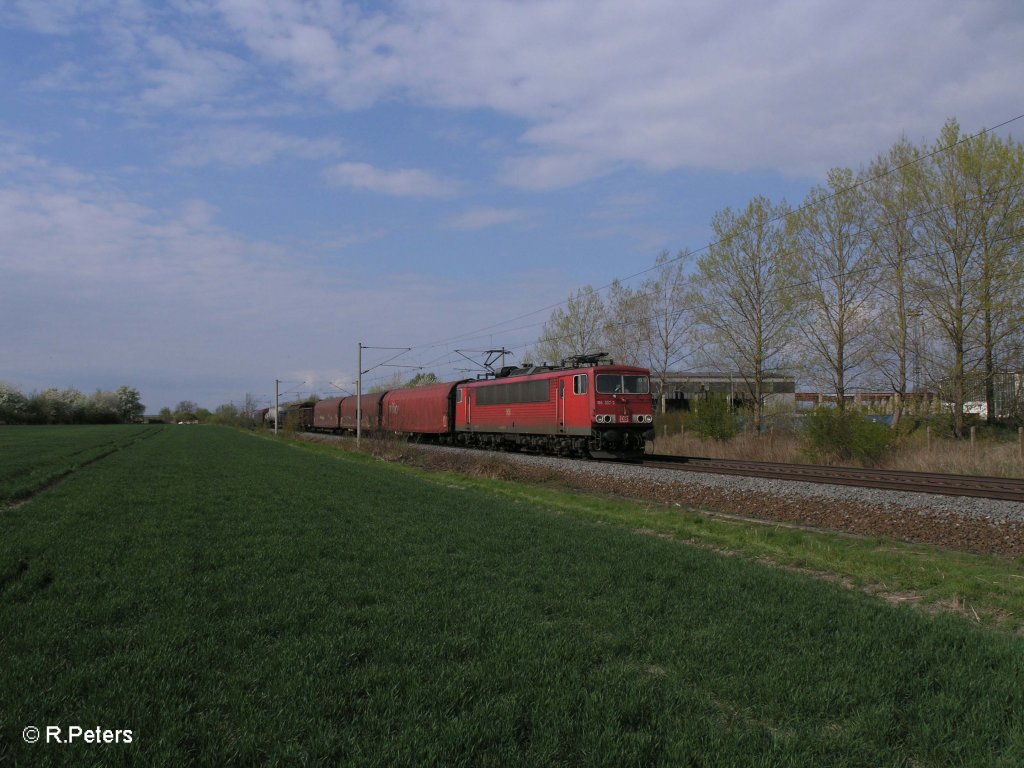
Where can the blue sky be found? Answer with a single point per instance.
(198, 197)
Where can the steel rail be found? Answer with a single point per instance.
(1007, 489)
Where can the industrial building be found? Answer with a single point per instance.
(683, 387)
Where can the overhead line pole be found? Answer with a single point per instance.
(359, 397)
(359, 381)
(277, 400)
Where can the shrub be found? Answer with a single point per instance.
(844, 435)
(713, 417)
(13, 405)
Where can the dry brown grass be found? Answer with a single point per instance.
(959, 457)
(783, 448)
(985, 457)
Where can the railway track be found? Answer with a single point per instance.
(1006, 489)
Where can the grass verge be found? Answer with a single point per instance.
(985, 589)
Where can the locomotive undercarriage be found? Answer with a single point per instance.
(600, 444)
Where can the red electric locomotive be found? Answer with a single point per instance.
(585, 408)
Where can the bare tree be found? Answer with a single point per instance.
(575, 330)
(747, 306)
(669, 319)
(837, 262)
(894, 191)
(994, 176)
(250, 407)
(952, 232)
(626, 321)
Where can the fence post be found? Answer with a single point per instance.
(973, 430)
(928, 434)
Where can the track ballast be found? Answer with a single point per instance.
(1006, 489)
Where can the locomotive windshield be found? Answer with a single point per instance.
(617, 384)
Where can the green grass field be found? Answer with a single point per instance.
(233, 600)
(33, 457)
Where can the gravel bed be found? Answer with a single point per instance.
(986, 509)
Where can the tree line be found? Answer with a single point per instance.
(905, 275)
(244, 414)
(70, 406)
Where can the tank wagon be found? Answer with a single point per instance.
(588, 408)
(295, 416)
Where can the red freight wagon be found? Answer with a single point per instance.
(419, 410)
(371, 412)
(327, 414)
(594, 410)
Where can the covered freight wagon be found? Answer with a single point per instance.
(327, 414)
(428, 410)
(371, 412)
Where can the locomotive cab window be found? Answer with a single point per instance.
(615, 384)
(580, 384)
(458, 395)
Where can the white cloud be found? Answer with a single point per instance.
(326, 46)
(663, 85)
(18, 161)
(187, 73)
(484, 217)
(545, 171)
(53, 17)
(197, 214)
(242, 146)
(598, 84)
(406, 182)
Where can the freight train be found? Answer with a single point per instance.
(585, 407)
